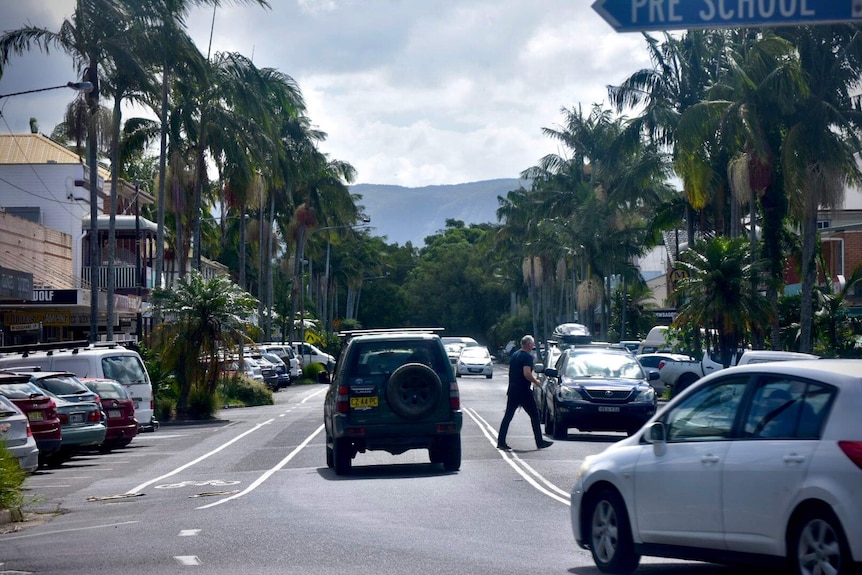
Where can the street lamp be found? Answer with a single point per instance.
(77, 86)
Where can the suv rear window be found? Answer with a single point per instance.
(384, 357)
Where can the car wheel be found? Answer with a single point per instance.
(457, 373)
(610, 534)
(330, 458)
(342, 456)
(558, 431)
(488, 376)
(818, 545)
(683, 382)
(549, 424)
(413, 390)
(452, 453)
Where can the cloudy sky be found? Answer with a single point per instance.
(410, 92)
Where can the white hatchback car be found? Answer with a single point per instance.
(758, 463)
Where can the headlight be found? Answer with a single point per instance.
(582, 470)
(646, 396)
(567, 393)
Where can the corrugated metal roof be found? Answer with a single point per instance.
(34, 149)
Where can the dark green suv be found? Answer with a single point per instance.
(393, 390)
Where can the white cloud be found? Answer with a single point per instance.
(410, 92)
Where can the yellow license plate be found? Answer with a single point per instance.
(358, 402)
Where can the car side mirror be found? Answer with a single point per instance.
(653, 374)
(551, 372)
(657, 435)
(539, 368)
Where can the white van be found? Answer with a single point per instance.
(101, 360)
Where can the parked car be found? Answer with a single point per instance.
(110, 360)
(282, 373)
(17, 437)
(82, 427)
(311, 354)
(287, 355)
(40, 409)
(267, 369)
(655, 361)
(63, 384)
(119, 408)
(597, 389)
(743, 486)
(394, 390)
(549, 358)
(475, 360)
(572, 334)
(679, 374)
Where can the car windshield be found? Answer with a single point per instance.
(386, 356)
(62, 384)
(475, 353)
(108, 390)
(126, 369)
(603, 365)
(20, 390)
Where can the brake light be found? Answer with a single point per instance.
(454, 396)
(853, 450)
(342, 402)
(51, 410)
(98, 401)
(64, 419)
(94, 416)
(29, 431)
(661, 364)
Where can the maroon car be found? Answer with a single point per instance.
(39, 408)
(119, 408)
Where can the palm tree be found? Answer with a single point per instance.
(203, 321)
(823, 139)
(715, 295)
(93, 37)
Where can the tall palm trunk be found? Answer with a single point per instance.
(163, 169)
(92, 160)
(112, 221)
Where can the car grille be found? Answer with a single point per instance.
(608, 394)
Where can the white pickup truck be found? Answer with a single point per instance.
(679, 374)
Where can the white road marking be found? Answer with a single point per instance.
(519, 465)
(189, 532)
(30, 535)
(199, 459)
(188, 560)
(269, 473)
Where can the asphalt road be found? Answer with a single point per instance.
(253, 495)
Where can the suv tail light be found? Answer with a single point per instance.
(853, 450)
(661, 364)
(342, 402)
(454, 396)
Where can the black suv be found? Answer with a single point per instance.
(393, 390)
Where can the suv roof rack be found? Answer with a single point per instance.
(31, 347)
(354, 332)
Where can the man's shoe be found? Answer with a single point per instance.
(544, 443)
(504, 447)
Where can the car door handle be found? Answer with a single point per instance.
(794, 458)
(709, 459)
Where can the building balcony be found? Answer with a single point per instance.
(125, 277)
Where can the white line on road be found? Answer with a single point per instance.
(199, 459)
(188, 560)
(68, 530)
(189, 532)
(269, 473)
(519, 465)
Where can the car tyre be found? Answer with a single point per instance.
(818, 545)
(452, 453)
(488, 376)
(558, 431)
(330, 458)
(413, 390)
(342, 456)
(610, 534)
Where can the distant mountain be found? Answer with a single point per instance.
(411, 214)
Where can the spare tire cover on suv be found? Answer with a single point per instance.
(413, 390)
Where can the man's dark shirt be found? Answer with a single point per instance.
(518, 384)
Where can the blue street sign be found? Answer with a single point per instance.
(644, 15)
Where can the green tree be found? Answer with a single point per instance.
(716, 297)
(203, 321)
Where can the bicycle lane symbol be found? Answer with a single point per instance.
(212, 482)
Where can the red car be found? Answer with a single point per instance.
(39, 408)
(119, 408)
